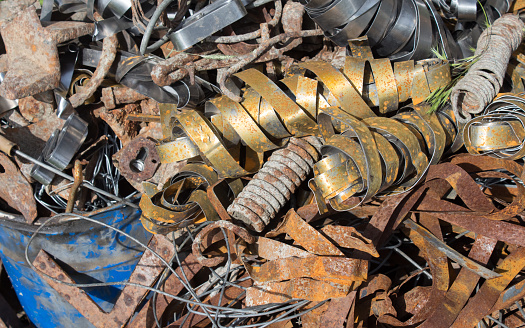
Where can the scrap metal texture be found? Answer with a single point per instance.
(276, 181)
(32, 57)
(485, 78)
(293, 163)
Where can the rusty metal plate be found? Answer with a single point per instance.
(32, 56)
(16, 190)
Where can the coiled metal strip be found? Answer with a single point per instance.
(485, 77)
(180, 202)
(500, 131)
(269, 115)
(271, 188)
(377, 155)
(400, 30)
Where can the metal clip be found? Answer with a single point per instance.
(61, 148)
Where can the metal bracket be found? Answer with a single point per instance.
(61, 148)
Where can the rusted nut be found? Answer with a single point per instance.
(120, 95)
(139, 160)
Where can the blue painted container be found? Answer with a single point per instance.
(87, 251)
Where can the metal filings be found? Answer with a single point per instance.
(272, 187)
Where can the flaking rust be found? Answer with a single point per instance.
(275, 183)
(32, 56)
(314, 188)
(16, 190)
(139, 160)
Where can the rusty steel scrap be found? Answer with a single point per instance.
(262, 163)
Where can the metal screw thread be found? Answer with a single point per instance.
(271, 188)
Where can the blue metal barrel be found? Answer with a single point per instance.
(87, 251)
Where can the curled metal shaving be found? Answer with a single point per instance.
(269, 113)
(362, 159)
(180, 202)
(400, 30)
(485, 78)
(500, 131)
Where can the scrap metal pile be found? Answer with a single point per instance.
(310, 163)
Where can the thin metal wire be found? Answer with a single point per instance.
(165, 274)
(105, 175)
(520, 308)
(289, 308)
(414, 263)
(499, 323)
(192, 292)
(73, 217)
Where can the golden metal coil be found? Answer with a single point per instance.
(500, 131)
(182, 200)
(232, 137)
(378, 155)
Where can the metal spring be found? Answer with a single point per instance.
(272, 187)
(485, 78)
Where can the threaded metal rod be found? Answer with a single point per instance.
(271, 188)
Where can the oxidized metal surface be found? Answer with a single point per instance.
(303, 182)
(139, 160)
(181, 201)
(109, 51)
(214, 229)
(32, 63)
(117, 120)
(145, 273)
(73, 193)
(475, 201)
(301, 288)
(337, 312)
(34, 110)
(498, 132)
(266, 114)
(172, 285)
(16, 190)
(276, 181)
(485, 78)
(349, 173)
(119, 95)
